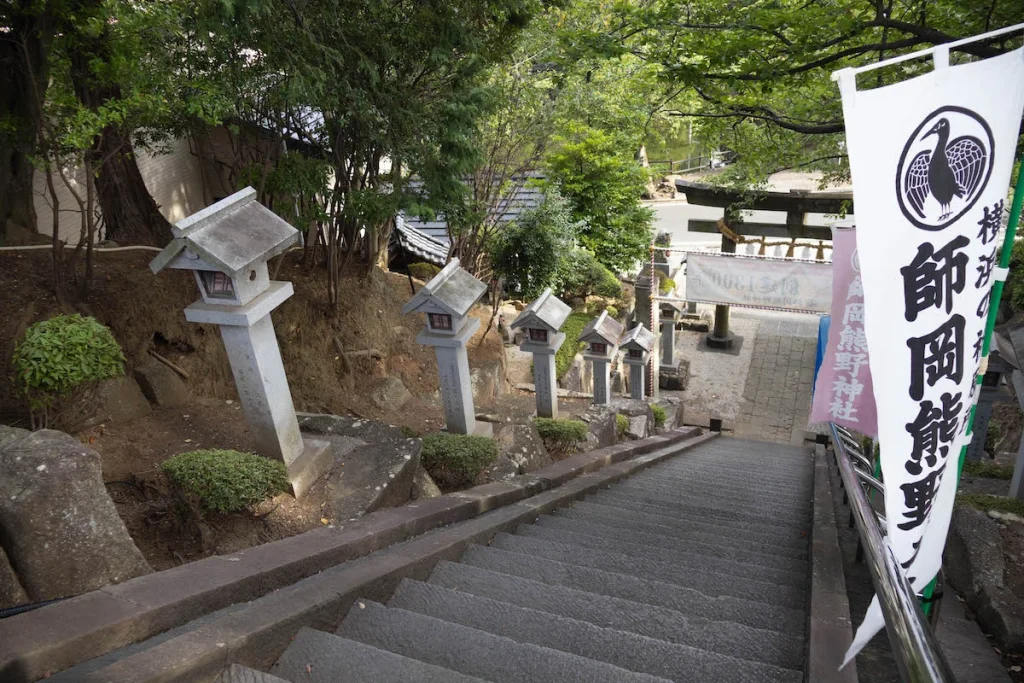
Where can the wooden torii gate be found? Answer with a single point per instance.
(796, 204)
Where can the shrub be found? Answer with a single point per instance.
(455, 460)
(572, 327)
(226, 481)
(62, 354)
(561, 433)
(659, 416)
(423, 270)
(580, 275)
(527, 252)
(621, 424)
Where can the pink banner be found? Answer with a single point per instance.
(842, 392)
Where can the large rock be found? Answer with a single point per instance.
(579, 376)
(341, 425)
(489, 381)
(673, 408)
(118, 400)
(975, 567)
(522, 445)
(640, 416)
(62, 532)
(423, 486)
(502, 469)
(601, 423)
(674, 378)
(161, 385)
(11, 591)
(390, 394)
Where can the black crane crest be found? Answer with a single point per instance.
(944, 167)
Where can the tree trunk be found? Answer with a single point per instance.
(130, 214)
(24, 72)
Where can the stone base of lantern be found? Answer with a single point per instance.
(314, 461)
(453, 373)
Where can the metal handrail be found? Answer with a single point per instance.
(914, 646)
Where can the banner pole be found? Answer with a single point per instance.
(990, 324)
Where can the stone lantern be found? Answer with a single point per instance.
(227, 246)
(601, 336)
(542, 320)
(670, 315)
(637, 345)
(446, 301)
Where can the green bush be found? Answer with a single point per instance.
(988, 469)
(621, 424)
(62, 354)
(659, 416)
(580, 275)
(423, 270)
(226, 481)
(572, 327)
(455, 460)
(562, 433)
(527, 252)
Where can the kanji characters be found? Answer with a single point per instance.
(853, 313)
(851, 388)
(933, 430)
(851, 339)
(856, 289)
(936, 355)
(842, 410)
(849, 362)
(918, 497)
(985, 266)
(933, 276)
(990, 222)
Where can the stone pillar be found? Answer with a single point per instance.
(601, 382)
(545, 383)
(645, 288)
(668, 343)
(454, 377)
(982, 416)
(1016, 490)
(263, 389)
(636, 381)
(720, 337)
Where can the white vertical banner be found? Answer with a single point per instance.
(931, 159)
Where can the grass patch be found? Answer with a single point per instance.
(572, 327)
(990, 470)
(454, 460)
(659, 416)
(562, 435)
(621, 424)
(985, 502)
(226, 481)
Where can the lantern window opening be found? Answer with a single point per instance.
(538, 335)
(440, 321)
(218, 285)
(636, 353)
(598, 347)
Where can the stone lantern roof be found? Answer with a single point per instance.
(453, 290)
(603, 329)
(233, 236)
(638, 338)
(546, 311)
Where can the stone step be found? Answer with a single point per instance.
(686, 511)
(709, 502)
(649, 536)
(602, 514)
(786, 477)
(319, 657)
(639, 589)
(674, 491)
(628, 650)
(236, 673)
(779, 570)
(474, 652)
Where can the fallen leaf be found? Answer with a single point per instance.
(324, 520)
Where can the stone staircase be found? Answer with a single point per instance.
(693, 570)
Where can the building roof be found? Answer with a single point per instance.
(638, 338)
(523, 196)
(546, 310)
(233, 235)
(417, 242)
(603, 328)
(453, 289)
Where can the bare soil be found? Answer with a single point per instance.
(145, 312)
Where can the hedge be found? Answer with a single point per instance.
(455, 460)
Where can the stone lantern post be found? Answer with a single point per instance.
(542, 319)
(637, 345)
(227, 246)
(601, 336)
(446, 301)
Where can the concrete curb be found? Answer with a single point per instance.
(256, 633)
(53, 638)
(830, 628)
